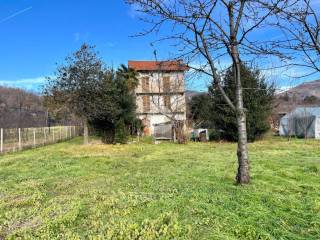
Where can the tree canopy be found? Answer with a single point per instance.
(100, 97)
(211, 110)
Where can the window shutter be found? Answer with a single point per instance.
(166, 84)
(145, 84)
(146, 103)
(167, 102)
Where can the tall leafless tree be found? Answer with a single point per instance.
(208, 32)
(20, 109)
(301, 25)
(168, 97)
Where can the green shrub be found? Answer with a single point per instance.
(214, 135)
(122, 133)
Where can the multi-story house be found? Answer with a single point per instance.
(160, 95)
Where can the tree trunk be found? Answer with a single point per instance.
(85, 132)
(108, 136)
(179, 132)
(243, 175)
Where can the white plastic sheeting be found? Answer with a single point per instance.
(301, 122)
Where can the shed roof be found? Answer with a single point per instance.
(313, 111)
(158, 65)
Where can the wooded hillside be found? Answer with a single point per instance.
(305, 94)
(19, 108)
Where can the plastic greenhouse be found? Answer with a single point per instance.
(301, 122)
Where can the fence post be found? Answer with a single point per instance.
(28, 137)
(19, 135)
(1, 140)
(44, 135)
(34, 137)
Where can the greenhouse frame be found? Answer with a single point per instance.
(301, 122)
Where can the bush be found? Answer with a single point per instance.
(122, 133)
(214, 135)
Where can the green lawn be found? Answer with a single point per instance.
(165, 191)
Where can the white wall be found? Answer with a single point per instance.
(159, 118)
(317, 128)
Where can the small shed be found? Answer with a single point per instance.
(163, 131)
(301, 122)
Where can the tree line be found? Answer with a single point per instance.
(20, 109)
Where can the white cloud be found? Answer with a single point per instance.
(34, 84)
(282, 89)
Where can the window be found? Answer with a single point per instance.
(146, 103)
(167, 102)
(145, 84)
(166, 84)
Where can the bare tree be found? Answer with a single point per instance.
(161, 98)
(211, 31)
(19, 108)
(167, 96)
(291, 126)
(301, 25)
(304, 121)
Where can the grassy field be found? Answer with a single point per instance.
(165, 191)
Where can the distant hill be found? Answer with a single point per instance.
(19, 108)
(305, 94)
(191, 93)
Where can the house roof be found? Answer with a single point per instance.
(158, 65)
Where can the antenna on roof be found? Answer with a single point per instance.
(155, 54)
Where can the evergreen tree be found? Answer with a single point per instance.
(199, 107)
(75, 84)
(121, 133)
(114, 102)
(98, 96)
(258, 101)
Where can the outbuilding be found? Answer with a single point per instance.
(301, 122)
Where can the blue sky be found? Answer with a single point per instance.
(37, 34)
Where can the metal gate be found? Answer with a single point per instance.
(163, 131)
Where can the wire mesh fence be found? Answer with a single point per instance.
(163, 131)
(16, 139)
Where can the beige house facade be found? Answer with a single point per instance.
(160, 95)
